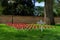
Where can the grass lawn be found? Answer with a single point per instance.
(10, 33)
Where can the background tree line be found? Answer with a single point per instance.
(26, 7)
(18, 7)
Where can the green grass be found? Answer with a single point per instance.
(10, 33)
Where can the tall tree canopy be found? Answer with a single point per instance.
(19, 7)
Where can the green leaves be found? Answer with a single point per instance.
(39, 0)
(19, 7)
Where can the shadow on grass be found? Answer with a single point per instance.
(57, 25)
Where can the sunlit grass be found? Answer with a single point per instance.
(10, 33)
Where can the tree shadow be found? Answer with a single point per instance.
(57, 25)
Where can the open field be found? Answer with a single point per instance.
(10, 33)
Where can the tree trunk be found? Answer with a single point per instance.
(49, 11)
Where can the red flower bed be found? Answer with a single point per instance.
(22, 25)
(17, 25)
(27, 26)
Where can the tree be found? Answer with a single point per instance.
(39, 11)
(49, 11)
(19, 7)
(57, 7)
(4, 3)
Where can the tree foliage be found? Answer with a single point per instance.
(19, 7)
(57, 7)
(40, 0)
